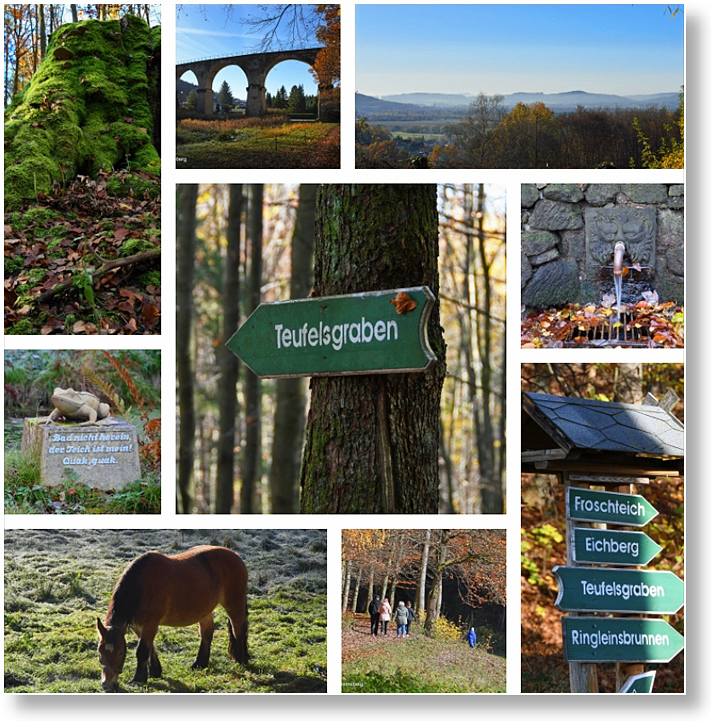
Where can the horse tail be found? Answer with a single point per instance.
(238, 643)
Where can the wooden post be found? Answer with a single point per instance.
(583, 676)
(624, 670)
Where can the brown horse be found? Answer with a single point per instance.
(157, 590)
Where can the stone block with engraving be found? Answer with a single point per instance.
(99, 456)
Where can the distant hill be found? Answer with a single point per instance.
(560, 102)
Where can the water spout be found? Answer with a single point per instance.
(617, 267)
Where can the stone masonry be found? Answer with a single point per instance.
(557, 265)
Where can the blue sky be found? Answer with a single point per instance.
(619, 49)
(204, 31)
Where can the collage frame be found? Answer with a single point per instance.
(693, 700)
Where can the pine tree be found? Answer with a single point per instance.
(297, 99)
(225, 97)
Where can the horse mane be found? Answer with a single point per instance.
(126, 597)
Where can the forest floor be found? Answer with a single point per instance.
(249, 144)
(86, 259)
(415, 664)
(57, 583)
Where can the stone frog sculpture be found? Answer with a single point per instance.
(77, 406)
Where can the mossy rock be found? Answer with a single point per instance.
(85, 113)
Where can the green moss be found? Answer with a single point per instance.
(57, 232)
(13, 265)
(83, 114)
(22, 327)
(151, 277)
(136, 245)
(122, 186)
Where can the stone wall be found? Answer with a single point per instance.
(557, 266)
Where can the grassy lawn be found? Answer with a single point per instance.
(58, 582)
(255, 143)
(418, 664)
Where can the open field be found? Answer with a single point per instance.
(257, 143)
(58, 582)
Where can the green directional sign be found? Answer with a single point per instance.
(604, 507)
(613, 548)
(640, 683)
(632, 640)
(378, 332)
(614, 590)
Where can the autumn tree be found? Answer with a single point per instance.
(524, 137)
(372, 441)
(474, 134)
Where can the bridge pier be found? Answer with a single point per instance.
(256, 99)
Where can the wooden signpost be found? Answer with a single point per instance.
(613, 445)
(378, 332)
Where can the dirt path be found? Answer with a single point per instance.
(357, 637)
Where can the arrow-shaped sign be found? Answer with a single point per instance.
(614, 548)
(605, 507)
(640, 683)
(379, 332)
(635, 640)
(617, 591)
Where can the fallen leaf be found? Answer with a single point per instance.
(403, 303)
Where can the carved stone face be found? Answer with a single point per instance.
(634, 227)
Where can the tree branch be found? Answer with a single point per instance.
(107, 266)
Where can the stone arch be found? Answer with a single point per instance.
(256, 67)
(189, 77)
(308, 83)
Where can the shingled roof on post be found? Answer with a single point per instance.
(580, 435)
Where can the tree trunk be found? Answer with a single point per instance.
(434, 599)
(491, 490)
(75, 14)
(42, 32)
(372, 441)
(186, 202)
(346, 588)
(421, 584)
(371, 585)
(253, 438)
(356, 589)
(228, 361)
(289, 417)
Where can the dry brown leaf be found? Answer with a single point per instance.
(403, 303)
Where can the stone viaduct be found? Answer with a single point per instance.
(256, 67)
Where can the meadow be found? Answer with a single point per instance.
(442, 663)
(270, 142)
(57, 582)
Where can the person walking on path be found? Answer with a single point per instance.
(400, 618)
(410, 617)
(471, 637)
(374, 611)
(384, 611)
